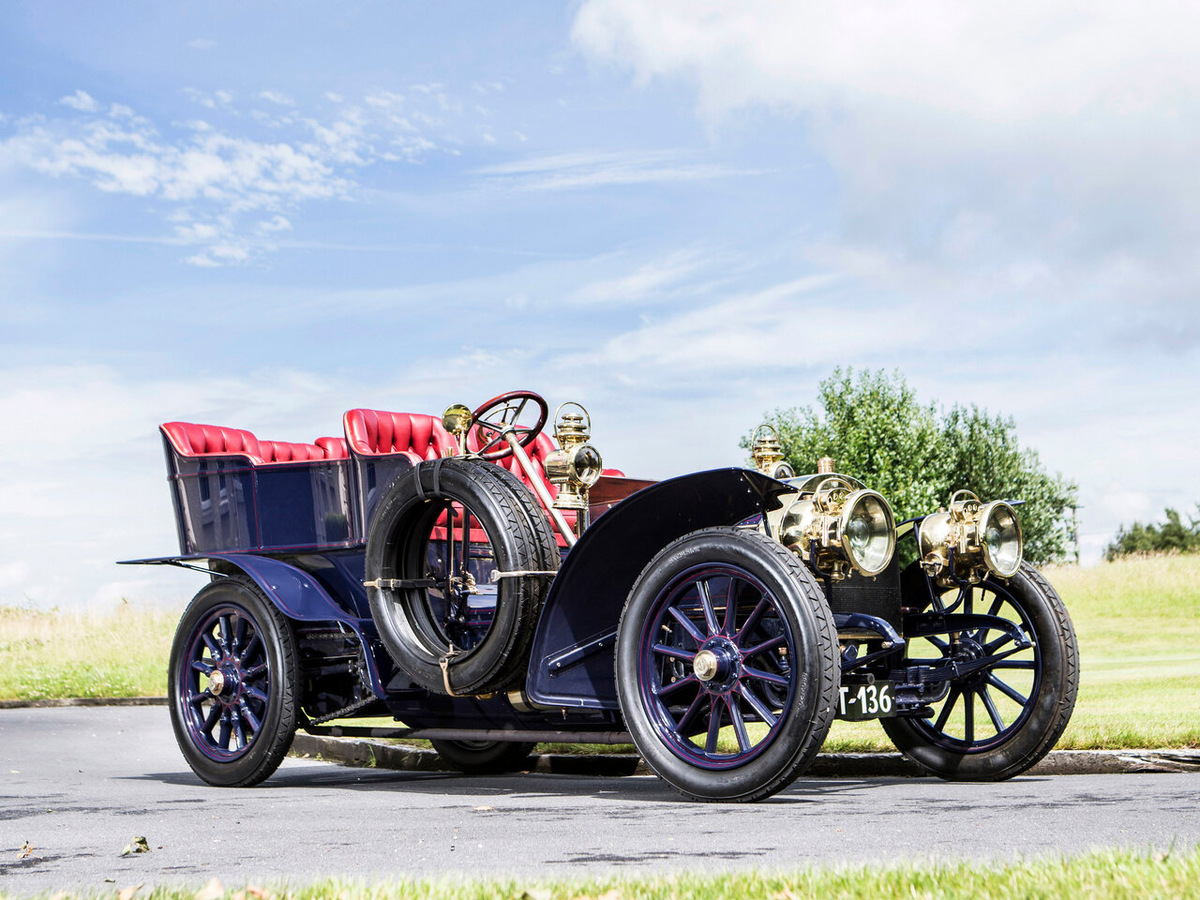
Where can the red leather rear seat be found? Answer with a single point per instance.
(190, 439)
(285, 451)
(335, 448)
(375, 432)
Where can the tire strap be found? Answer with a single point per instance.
(437, 479)
(444, 664)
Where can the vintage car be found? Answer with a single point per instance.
(489, 588)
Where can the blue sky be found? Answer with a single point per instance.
(682, 214)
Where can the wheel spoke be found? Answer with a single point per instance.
(758, 706)
(251, 645)
(239, 633)
(752, 619)
(969, 716)
(710, 617)
(674, 652)
(249, 716)
(714, 727)
(254, 671)
(255, 693)
(1007, 690)
(682, 725)
(200, 699)
(1015, 664)
(731, 607)
(944, 716)
(239, 733)
(226, 634)
(688, 625)
(676, 685)
(765, 645)
(990, 706)
(203, 666)
(211, 719)
(768, 677)
(739, 724)
(226, 729)
(214, 648)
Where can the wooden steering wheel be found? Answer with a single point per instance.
(500, 415)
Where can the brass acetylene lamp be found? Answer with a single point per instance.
(840, 529)
(576, 465)
(457, 420)
(971, 539)
(768, 453)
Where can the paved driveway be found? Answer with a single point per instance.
(80, 783)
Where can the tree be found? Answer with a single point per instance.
(1172, 536)
(917, 456)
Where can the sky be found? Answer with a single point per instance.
(683, 214)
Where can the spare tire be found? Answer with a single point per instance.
(440, 613)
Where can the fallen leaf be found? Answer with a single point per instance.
(536, 894)
(488, 809)
(260, 893)
(214, 890)
(137, 845)
(127, 893)
(26, 850)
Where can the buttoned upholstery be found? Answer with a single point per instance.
(335, 448)
(285, 451)
(190, 439)
(375, 432)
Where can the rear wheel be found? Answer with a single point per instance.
(232, 684)
(994, 722)
(727, 665)
(484, 757)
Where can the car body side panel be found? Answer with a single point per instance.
(572, 659)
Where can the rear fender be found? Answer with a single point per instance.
(294, 592)
(571, 664)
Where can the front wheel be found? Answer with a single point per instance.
(727, 665)
(232, 684)
(996, 721)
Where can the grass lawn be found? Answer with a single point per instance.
(1138, 622)
(1107, 875)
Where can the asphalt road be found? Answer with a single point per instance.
(80, 783)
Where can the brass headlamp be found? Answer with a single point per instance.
(971, 538)
(768, 453)
(576, 465)
(841, 528)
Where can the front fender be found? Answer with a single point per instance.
(571, 663)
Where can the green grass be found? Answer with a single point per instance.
(1110, 875)
(1138, 622)
(49, 655)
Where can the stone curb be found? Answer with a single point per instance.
(357, 752)
(378, 754)
(84, 701)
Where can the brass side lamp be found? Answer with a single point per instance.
(768, 453)
(576, 465)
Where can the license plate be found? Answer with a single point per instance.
(866, 701)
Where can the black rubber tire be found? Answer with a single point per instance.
(815, 674)
(397, 543)
(269, 744)
(1048, 706)
(484, 757)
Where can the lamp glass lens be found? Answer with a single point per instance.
(1002, 541)
(587, 464)
(869, 534)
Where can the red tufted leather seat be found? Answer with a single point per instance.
(285, 451)
(375, 432)
(190, 439)
(335, 448)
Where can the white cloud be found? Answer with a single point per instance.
(277, 98)
(652, 279)
(81, 101)
(202, 44)
(584, 170)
